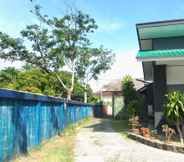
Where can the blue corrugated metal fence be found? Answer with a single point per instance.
(27, 119)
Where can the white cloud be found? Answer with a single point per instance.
(109, 26)
(125, 63)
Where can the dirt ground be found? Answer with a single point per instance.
(98, 142)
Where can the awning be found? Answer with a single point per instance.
(159, 54)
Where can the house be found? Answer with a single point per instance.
(162, 55)
(112, 96)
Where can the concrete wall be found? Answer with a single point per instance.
(175, 75)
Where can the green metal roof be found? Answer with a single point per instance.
(160, 53)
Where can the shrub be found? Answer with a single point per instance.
(129, 92)
(132, 106)
(174, 110)
(133, 100)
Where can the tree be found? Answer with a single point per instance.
(71, 33)
(56, 44)
(9, 74)
(174, 110)
(128, 90)
(133, 100)
(27, 67)
(34, 80)
(7, 77)
(91, 63)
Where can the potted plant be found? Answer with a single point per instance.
(174, 110)
(134, 124)
(145, 132)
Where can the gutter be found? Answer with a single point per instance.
(160, 59)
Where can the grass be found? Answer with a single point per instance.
(57, 149)
(121, 126)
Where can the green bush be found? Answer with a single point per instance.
(128, 89)
(34, 80)
(133, 100)
(132, 107)
(174, 110)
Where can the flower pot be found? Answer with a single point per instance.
(145, 132)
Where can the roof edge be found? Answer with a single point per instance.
(163, 22)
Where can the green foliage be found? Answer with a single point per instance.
(54, 43)
(133, 100)
(174, 108)
(132, 107)
(92, 62)
(8, 75)
(36, 81)
(128, 90)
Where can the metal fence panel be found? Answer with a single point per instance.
(26, 121)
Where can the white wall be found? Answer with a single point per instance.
(174, 71)
(175, 75)
(108, 103)
(171, 62)
(107, 100)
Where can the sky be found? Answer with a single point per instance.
(116, 20)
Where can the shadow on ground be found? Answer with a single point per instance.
(109, 125)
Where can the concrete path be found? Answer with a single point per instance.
(98, 142)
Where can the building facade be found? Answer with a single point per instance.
(112, 96)
(162, 55)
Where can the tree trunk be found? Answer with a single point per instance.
(85, 97)
(69, 93)
(85, 94)
(70, 90)
(179, 131)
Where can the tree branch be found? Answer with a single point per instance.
(73, 76)
(62, 83)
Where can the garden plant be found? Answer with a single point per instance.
(174, 110)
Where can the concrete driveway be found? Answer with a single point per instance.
(98, 142)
